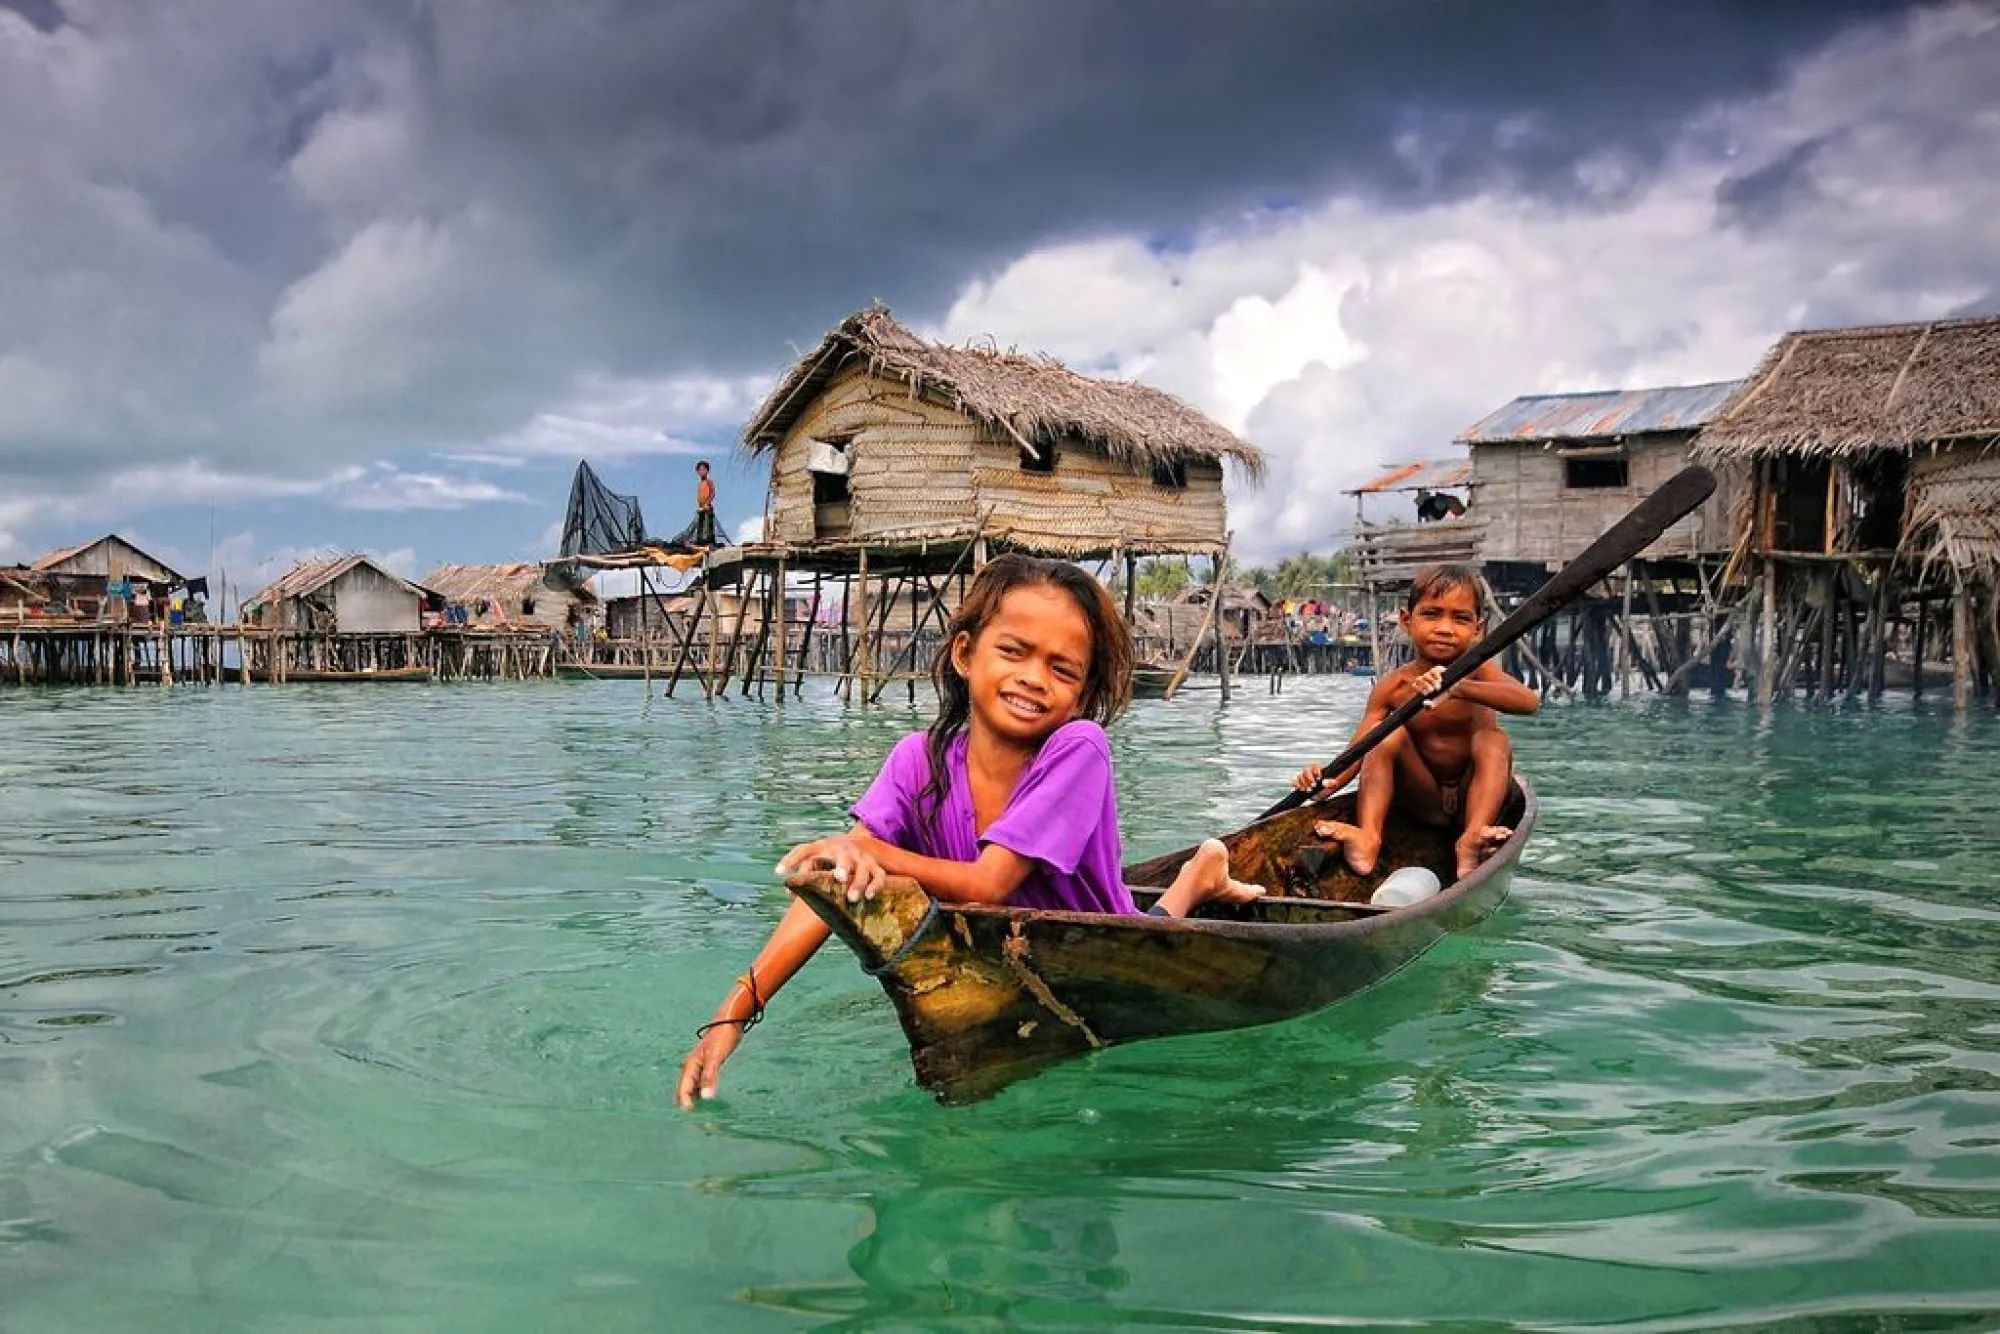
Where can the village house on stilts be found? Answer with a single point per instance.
(102, 612)
(334, 618)
(899, 465)
(510, 620)
(1542, 477)
(1870, 530)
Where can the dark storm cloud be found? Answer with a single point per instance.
(1767, 193)
(280, 237)
(45, 15)
(740, 172)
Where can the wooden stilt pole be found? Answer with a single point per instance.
(1222, 592)
(784, 632)
(1625, 636)
(806, 638)
(1917, 646)
(861, 645)
(753, 667)
(1767, 647)
(646, 630)
(1961, 646)
(687, 642)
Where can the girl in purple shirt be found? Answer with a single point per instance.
(1007, 798)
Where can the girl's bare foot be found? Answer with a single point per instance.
(1357, 845)
(1476, 845)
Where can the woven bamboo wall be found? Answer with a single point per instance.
(916, 464)
(1955, 506)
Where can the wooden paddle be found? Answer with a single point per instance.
(1624, 540)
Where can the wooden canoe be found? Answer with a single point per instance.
(611, 671)
(1151, 679)
(381, 676)
(989, 995)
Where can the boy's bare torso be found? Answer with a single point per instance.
(1442, 733)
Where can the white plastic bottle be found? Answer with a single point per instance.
(1404, 886)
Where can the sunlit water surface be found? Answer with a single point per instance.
(360, 1006)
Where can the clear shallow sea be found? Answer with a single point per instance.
(339, 1007)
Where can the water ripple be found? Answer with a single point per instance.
(366, 1005)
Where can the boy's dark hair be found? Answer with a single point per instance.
(1436, 580)
(701, 464)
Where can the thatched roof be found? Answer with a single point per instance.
(1848, 391)
(311, 575)
(508, 584)
(1032, 399)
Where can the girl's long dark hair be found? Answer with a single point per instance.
(1107, 682)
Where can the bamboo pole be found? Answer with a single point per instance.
(1207, 623)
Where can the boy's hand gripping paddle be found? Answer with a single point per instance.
(1625, 539)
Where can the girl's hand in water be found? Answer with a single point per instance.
(702, 1069)
(846, 856)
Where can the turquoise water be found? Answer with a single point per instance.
(360, 1007)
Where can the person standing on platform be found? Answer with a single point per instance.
(704, 506)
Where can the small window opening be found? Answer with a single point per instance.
(1171, 473)
(829, 488)
(1594, 474)
(528, 605)
(830, 466)
(1044, 459)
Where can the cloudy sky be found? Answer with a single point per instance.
(289, 275)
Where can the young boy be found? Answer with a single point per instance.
(1450, 765)
(704, 506)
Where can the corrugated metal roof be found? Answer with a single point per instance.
(1602, 414)
(1430, 475)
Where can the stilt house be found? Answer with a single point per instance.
(879, 436)
(517, 596)
(1550, 472)
(339, 595)
(1871, 449)
(84, 578)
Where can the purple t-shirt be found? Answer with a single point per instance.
(1063, 815)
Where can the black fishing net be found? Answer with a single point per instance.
(599, 519)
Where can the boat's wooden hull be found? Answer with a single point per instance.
(385, 676)
(1150, 680)
(989, 995)
(609, 671)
